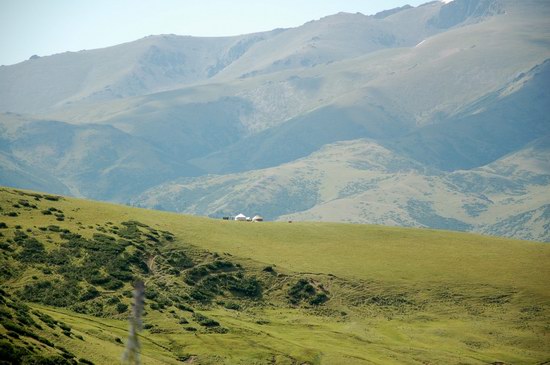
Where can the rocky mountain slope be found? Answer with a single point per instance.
(362, 182)
(445, 91)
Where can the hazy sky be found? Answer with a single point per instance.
(45, 27)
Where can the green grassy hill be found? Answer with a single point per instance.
(225, 292)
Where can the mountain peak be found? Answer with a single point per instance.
(343, 17)
(456, 12)
(386, 13)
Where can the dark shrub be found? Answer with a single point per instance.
(89, 294)
(179, 260)
(33, 250)
(12, 334)
(200, 295)
(318, 299)
(113, 300)
(127, 294)
(49, 321)
(121, 307)
(205, 321)
(248, 287)
(195, 274)
(232, 305)
(11, 354)
(56, 293)
(220, 265)
(304, 290)
(113, 284)
(11, 326)
(59, 257)
(184, 307)
(151, 293)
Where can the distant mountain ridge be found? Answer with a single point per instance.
(157, 63)
(375, 119)
(361, 181)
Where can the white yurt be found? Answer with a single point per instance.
(258, 218)
(240, 217)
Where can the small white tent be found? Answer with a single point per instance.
(240, 217)
(257, 218)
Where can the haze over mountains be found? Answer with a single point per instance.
(435, 116)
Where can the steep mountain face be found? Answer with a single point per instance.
(150, 64)
(499, 123)
(303, 135)
(96, 161)
(456, 12)
(414, 116)
(517, 190)
(14, 172)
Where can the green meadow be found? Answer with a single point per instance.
(225, 292)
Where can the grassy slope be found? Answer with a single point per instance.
(369, 252)
(397, 295)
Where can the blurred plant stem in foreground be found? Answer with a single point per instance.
(131, 354)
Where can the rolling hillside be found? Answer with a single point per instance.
(225, 292)
(213, 126)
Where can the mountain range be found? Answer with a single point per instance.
(431, 116)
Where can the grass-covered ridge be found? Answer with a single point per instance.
(240, 293)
